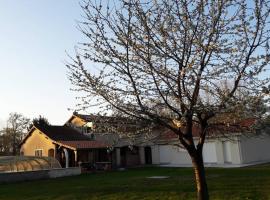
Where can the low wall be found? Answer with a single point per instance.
(72, 171)
(39, 174)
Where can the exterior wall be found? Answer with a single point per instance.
(36, 141)
(214, 152)
(77, 121)
(255, 149)
(234, 151)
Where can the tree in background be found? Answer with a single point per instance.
(14, 132)
(42, 121)
(143, 57)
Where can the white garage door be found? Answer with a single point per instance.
(227, 152)
(170, 154)
(165, 154)
(180, 156)
(209, 152)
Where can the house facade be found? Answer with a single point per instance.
(76, 142)
(124, 152)
(69, 146)
(233, 150)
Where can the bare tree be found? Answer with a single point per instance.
(14, 133)
(144, 56)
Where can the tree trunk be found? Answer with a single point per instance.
(199, 172)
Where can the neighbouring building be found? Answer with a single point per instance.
(66, 144)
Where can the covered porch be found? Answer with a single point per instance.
(87, 154)
(132, 156)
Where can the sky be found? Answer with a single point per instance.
(34, 38)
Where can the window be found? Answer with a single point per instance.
(38, 152)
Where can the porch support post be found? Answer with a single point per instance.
(75, 157)
(118, 157)
(66, 157)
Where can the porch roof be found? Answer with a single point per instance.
(84, 144)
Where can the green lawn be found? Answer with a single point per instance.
(229, 184)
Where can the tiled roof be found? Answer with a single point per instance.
(167, 135)
(99, 119)
(62, 133)
(70, 137)
(232, 127)
(247, 122)
(85, 144)
(105, 124)
(102, 119)
(215, 130)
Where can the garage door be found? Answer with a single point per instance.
(165, 154)
(209, 152)
(180, 156)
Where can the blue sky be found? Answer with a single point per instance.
(34, 35)
(34, 38)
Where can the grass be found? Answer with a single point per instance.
(233, 184)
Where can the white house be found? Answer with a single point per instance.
(235, 150)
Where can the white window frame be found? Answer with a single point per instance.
(38, 150)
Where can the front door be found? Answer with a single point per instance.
(148, 155)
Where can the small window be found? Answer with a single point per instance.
(38, 152)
